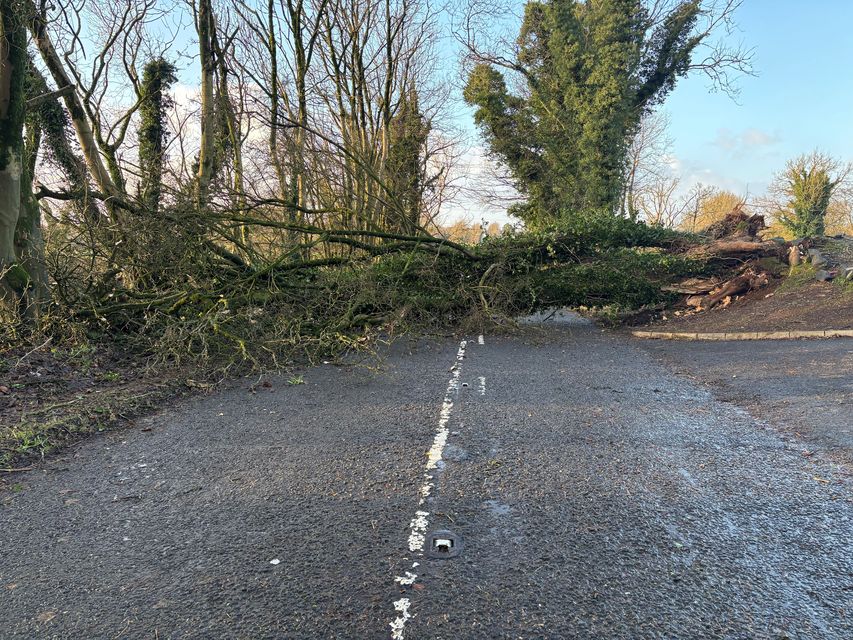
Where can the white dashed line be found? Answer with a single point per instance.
(409, 578)
(419, 524)
(482, 380)
(398, 626)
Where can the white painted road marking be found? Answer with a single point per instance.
(482, 380)
(480, 340)
(409, 578)
(399, 624)
(419, 524)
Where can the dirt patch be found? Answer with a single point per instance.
(793, 301)
(811, 306)
(50, 397)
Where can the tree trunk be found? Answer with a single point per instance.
(29, 243)
(207, 150)
(10, 206)
(13, 70)
(232, 129)
(29, 239)
(740, 249)
(50, 114)
(80, 122)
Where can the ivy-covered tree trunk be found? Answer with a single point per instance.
(157, 77)
(406, 169)
(13, 71)
(29, 238)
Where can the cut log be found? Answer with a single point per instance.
(740, 248)
(747, 281)
(794, 256)
(694, 286)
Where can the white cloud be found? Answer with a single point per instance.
(746, 142)
(696, 174)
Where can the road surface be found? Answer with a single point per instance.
(589, 490)
(804, 387)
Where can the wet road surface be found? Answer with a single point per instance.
(595, 495)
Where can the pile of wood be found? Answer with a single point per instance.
(736, 238)
(734, 243)
(736, 224)
(709, 292)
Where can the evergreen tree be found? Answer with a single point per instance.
(591, 69)
(808, 183)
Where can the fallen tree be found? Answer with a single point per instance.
(733, 243)
(740, 250)
(190, 289)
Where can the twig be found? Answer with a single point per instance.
(50, 407)
(31, 352)
(16, 470)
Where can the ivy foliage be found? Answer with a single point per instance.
(591, 70)
(406, 165)
(157, 78)
(810, 188)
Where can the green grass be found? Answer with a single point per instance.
(43, 430)
(799, 277)
(846, 286)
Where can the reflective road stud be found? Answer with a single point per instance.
(443, 544)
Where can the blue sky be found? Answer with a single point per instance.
(802, 98)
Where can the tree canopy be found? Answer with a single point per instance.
(807, 186)
(589, 71)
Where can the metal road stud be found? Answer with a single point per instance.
(443, 544)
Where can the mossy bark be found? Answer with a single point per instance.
(13, 65)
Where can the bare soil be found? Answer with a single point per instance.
(788, 304)
(51, 397)
(811, 307)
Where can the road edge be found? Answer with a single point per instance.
(744, 335)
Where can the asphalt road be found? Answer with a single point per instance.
(803, 387)
(593, 494)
